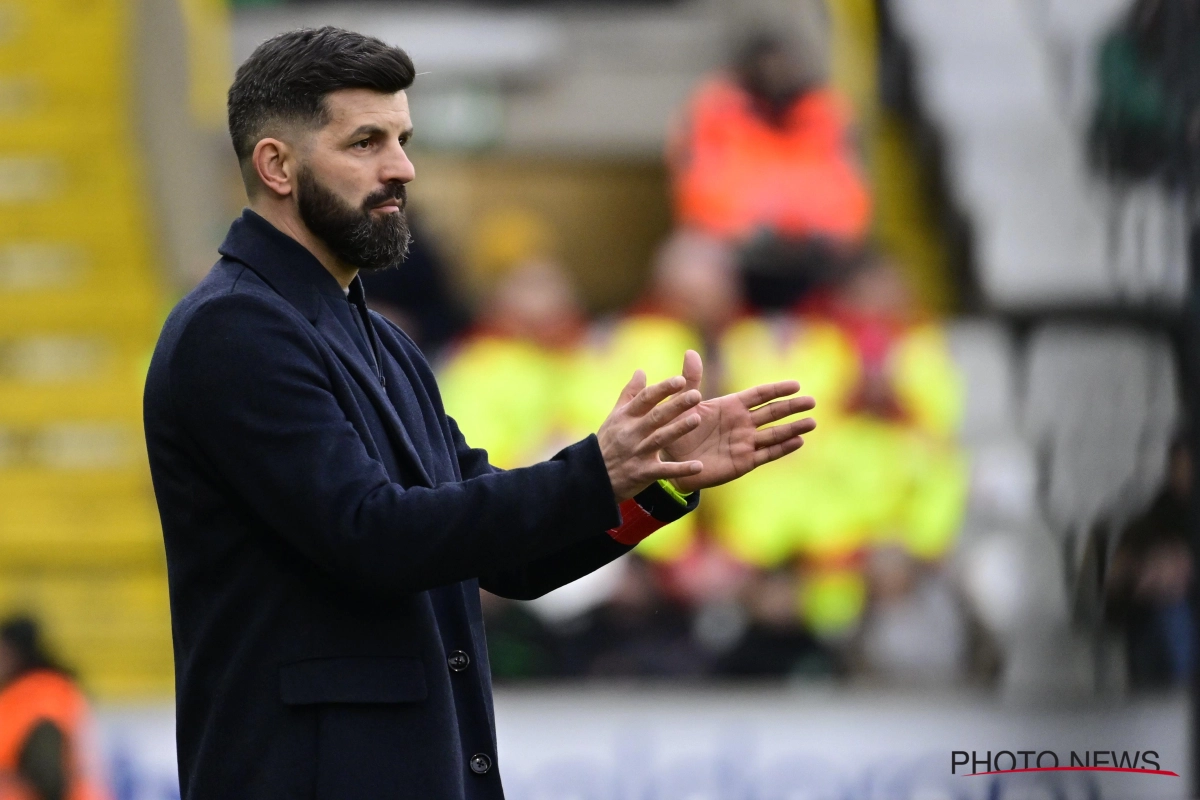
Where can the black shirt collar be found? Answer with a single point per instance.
(357, 294)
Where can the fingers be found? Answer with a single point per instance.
(768, 437)
(693, 369)
(651, 396)
(665, 412)
(773, 412)
(665, 470)
(776, 451)
(666, 435)
(757, 395)
(636, 384)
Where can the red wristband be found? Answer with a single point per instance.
(636, 524)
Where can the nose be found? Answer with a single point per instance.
(396, 166)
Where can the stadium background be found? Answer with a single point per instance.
(1000, 563)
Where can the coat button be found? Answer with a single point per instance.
(480, 763)
(458, 660)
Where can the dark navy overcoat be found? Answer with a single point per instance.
(327, 531)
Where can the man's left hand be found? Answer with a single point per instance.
(728, 441)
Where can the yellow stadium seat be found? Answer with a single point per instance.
(80, 305)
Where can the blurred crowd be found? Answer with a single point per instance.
(826, 563)
(839, 561)
(1145, 136)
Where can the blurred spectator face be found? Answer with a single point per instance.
(877, 302)
(695, 280)
(536, 301)
(878, 290)
(351, 174)
(770, 69)
(1164, 575)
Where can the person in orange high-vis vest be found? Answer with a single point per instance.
(762, 157)
(738, 173)
(44, 724)
(763, 146)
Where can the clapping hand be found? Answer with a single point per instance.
(640, 426)
(729, 440)
(665, 431)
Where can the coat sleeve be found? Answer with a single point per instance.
(571, 562)
(250, 390)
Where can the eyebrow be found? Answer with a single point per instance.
(375, 130)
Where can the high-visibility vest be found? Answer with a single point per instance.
(44, 695)
(508, 396)
(859, 481)
(734, 172)
(762, 518)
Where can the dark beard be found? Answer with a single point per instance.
(355, 237)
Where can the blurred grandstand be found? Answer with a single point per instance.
(968, 229)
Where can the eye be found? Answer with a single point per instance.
(404, 140)
(362, 144)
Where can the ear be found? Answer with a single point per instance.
(275, 165)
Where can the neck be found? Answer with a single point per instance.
(288, 222)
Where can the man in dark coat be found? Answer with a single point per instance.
(327, 526)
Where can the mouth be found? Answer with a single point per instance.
(387, 201)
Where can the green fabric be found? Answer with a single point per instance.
(1147, 104)
(1131, 94)
(41, 761)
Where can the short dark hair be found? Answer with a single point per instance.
(287, 78)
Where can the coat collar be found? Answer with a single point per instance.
(296, 274)
(282, 262)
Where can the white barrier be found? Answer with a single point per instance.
(705, 743)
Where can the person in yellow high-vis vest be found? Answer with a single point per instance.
(505, 379)
(886, 468)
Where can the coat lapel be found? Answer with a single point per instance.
(299, 278)
(339, 341)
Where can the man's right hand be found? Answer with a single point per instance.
(640, 426)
